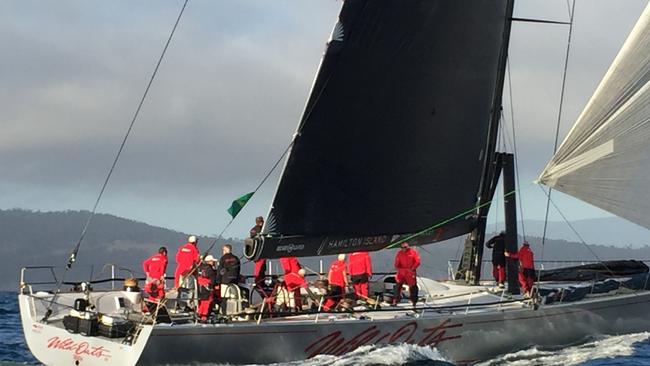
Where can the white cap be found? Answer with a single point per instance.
(191, 239)
(341, 257)
(209, 258)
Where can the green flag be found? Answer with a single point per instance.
(238, 204)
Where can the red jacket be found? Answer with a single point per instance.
(407, 260)
(187, 255)
(290, 264)
(294, 281)
(155, 266)
(525, 256)
(336, 275)
(359, 263)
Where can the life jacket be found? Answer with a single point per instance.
(359, 263)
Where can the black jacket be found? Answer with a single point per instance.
(207, 271)
(498, 245)
(228, 270)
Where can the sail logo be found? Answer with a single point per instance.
(336, 344)
(289, 248)
(361, 242)
(78, 348)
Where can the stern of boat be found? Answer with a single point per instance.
(52, 344)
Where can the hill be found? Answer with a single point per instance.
(46, 238)
(30, 238)
(602, 231)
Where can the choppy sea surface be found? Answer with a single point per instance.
(632, 349)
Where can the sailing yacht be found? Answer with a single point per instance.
(397, 143)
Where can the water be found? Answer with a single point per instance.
(632, 349)
(13, 350)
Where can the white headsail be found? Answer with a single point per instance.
(605, 158)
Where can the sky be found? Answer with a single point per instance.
(227, 99)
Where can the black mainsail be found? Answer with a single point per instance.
(397, 132)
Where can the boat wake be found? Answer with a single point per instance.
(630, 349)
(392, 355)
(403, 354)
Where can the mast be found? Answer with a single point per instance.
(510, 209)
(470, 266)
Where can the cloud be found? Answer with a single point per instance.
(227, 98)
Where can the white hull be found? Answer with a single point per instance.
(51, 344)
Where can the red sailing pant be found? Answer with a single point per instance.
(408, 277)
(499, 273)
(297, 299)
(334, 296)
(527, 279)
(204, 306)
(361, 289)
(154, 294)
(180, 269)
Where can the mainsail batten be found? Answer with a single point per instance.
(393, 137)
(605, 158)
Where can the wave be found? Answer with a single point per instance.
(10, 311)
(614, 350)
(391, 355)
(403, 354)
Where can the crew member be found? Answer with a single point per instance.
(290, 264)
(154, 268)
(498, 246)
(186, 258)
(526, 267)
(338, 282)
(259, 274)
(360, 269)
(257, 229)
(407, 261)
(294, 282)
(207, 280)
(229, 267)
